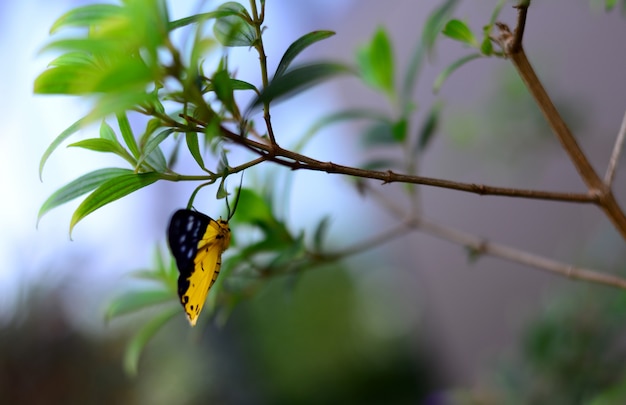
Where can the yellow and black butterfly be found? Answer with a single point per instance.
(197, 242)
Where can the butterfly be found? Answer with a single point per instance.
(197, 242)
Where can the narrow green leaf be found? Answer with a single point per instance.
(428, 128)
(137, 300)
(379, 134)
(78, 187)
(236, 85)
(436, 22)
(399, 130)
(73, 59)
(224, 90)
(98, 145)
(66, 79)
(252, 208)
(234, 30)
(106, 132)
(136, 345)
(127, 134)
(459, 31)
(197, 18)
(346, 115)
(298, 46)
(152, 144)
(443, 76)
(320, 234)
(57, 141)
(86, 16)
(297, 79)
(111, 190)
(193, 144)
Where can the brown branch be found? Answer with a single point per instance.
(483, 246)
(595, 185)
(615, 155)
(298, 161)
(522, 7)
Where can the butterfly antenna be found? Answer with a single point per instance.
(230, 214)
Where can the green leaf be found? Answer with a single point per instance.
(347, 115)
(320, 234)
(399, 130)
(379, 134)
(137, 300)
(78, 187)
(106, 132)
(429, 127)
(127, 134)
(298, 46)
(194, 147)
(86, 16)
(443, 76)
(199, 18)
(252, 208)
(152, 145)
(98, 145)
(58, 140)
(136, 345)
(297, 79)
(74, 59)
(224, 90)
(234, 30)
(66, 79)
(436, 22)
(376, 62)
(235, 84)
(459, 31)
(111, 190)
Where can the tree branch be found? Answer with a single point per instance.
(298, 161)
(595, 185)
(615, 155)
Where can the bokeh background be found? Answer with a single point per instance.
(414, 321)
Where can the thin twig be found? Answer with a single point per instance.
(518, 256)
(297, 161)
(615, 155)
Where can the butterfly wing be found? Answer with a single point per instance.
(197, 243)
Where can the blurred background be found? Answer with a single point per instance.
(413, 321)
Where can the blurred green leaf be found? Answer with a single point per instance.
(152, 153)
(106, 132)
(297, 79)
(139, 341)
(252, 208)
(459, 31)
(346, 115)
(379, 134)
(223, 88)
(376, 62)
(435, 23)
(235, 84)
(320, 234)
(78, 187)
(429, 127)
(298, 46)
(196, 18)
(57, 141)
(193, 144)
(399, 130)
(98, 145)
(443, 76)
(127, 134)
(234, 29)
(137, 300)
(111, 190)
(86, 16)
